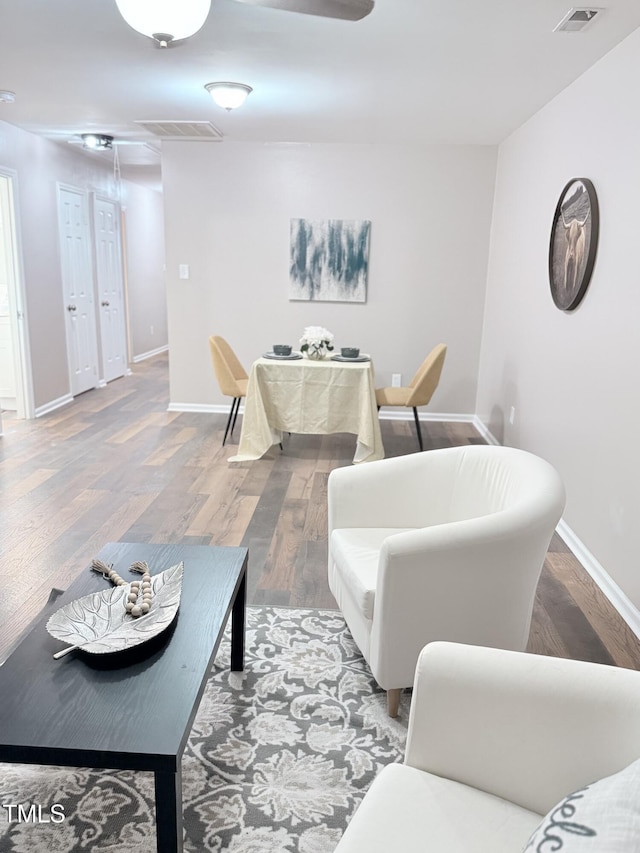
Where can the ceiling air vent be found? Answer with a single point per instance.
(577, 19)
(201, 131)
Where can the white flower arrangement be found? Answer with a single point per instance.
(315, 341)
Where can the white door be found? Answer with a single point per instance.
(110, 288)
(8, 390)
(77, 283)
(15, 365)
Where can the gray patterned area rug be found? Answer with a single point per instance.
(278, 759)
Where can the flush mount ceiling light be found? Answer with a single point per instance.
(96, 141)
(7, 97)
(165, 21)
(228, 95)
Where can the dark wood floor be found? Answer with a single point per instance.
(115, 465)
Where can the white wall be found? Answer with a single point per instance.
(147, 298)
(572, 376)
(228, 208)
(40, 164)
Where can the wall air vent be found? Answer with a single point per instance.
(577, 19)
(201, 131)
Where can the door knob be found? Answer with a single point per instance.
(71, 307)
(104, 304)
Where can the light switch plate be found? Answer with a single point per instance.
(184, 271)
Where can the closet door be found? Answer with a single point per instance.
(110, 285)
(77, 283)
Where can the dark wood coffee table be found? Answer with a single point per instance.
(133, 710)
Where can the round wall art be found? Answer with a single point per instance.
(574, 241)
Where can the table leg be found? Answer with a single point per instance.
(168, 811)
(237, 626)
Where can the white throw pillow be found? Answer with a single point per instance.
(604, 817)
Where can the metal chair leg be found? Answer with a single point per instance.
(418, 430)
(236, 414)
(231, 413)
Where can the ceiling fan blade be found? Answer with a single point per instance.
(346, 10)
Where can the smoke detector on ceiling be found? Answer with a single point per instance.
(577, 19)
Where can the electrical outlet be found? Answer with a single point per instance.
(512, 415)
(396, 380)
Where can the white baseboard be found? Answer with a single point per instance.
(149, 354)
(596, 570)
(602, 578)
(401, 413)
(52, 405)
(209, 408)
(393, 415)
(404, 414)
(484, 431)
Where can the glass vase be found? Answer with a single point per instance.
(316, 352)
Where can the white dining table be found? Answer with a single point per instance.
(309, 397)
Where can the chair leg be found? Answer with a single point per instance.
(281, 447)
(393, 701)
(231, 413)
(237, 401)
(418, 430)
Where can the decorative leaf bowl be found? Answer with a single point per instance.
(99, 623)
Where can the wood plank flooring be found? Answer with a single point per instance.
(116, 465)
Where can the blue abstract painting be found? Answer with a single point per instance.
(329, 260)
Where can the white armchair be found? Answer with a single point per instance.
(496, 739)
(440, 545)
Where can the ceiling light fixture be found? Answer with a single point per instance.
(96, 141)
(7, 97)
(228, 95)
(165, 21)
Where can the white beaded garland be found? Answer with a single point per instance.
(143, 590)
(140, 596)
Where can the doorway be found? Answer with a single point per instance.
(15, 374)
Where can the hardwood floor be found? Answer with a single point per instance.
(115, 465)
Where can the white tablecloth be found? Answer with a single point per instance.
(309, 397)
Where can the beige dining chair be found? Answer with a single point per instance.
(420, 390)
(231, 375)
